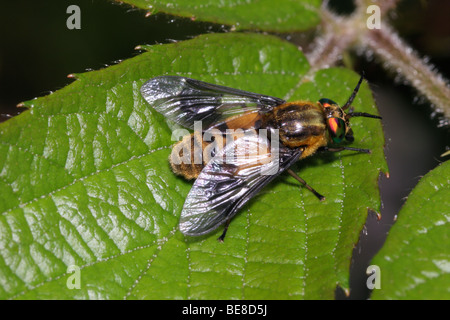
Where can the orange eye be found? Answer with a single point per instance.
(326, 103)
(336, 127)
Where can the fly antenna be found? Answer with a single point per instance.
(362, 114)
(355, 91)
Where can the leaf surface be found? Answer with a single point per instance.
(415, 260)
(279, 16)
(85, 181)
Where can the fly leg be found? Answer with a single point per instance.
(222, 237)
(346, 148)
(303, 182)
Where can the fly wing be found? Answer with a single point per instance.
(185, 100)
(230, 180)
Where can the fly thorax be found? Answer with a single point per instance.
(298, 123)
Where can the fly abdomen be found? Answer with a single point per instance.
(186, 158)
(193, 152)
(190, 155)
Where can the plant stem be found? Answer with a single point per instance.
(397, 55)
(341, 33)
(338, 35)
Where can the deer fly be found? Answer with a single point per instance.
(228, 175)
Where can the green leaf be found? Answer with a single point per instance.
(268, 15)
(415, 260)
(85, 181)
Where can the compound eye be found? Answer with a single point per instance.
(336, 127)
(326, 103)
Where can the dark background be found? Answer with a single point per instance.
(37, 52)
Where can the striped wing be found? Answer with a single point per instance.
(230, 180)
(185, 100)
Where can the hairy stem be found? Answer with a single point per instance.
(338, 34)
(397, 55)
(341, 33)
